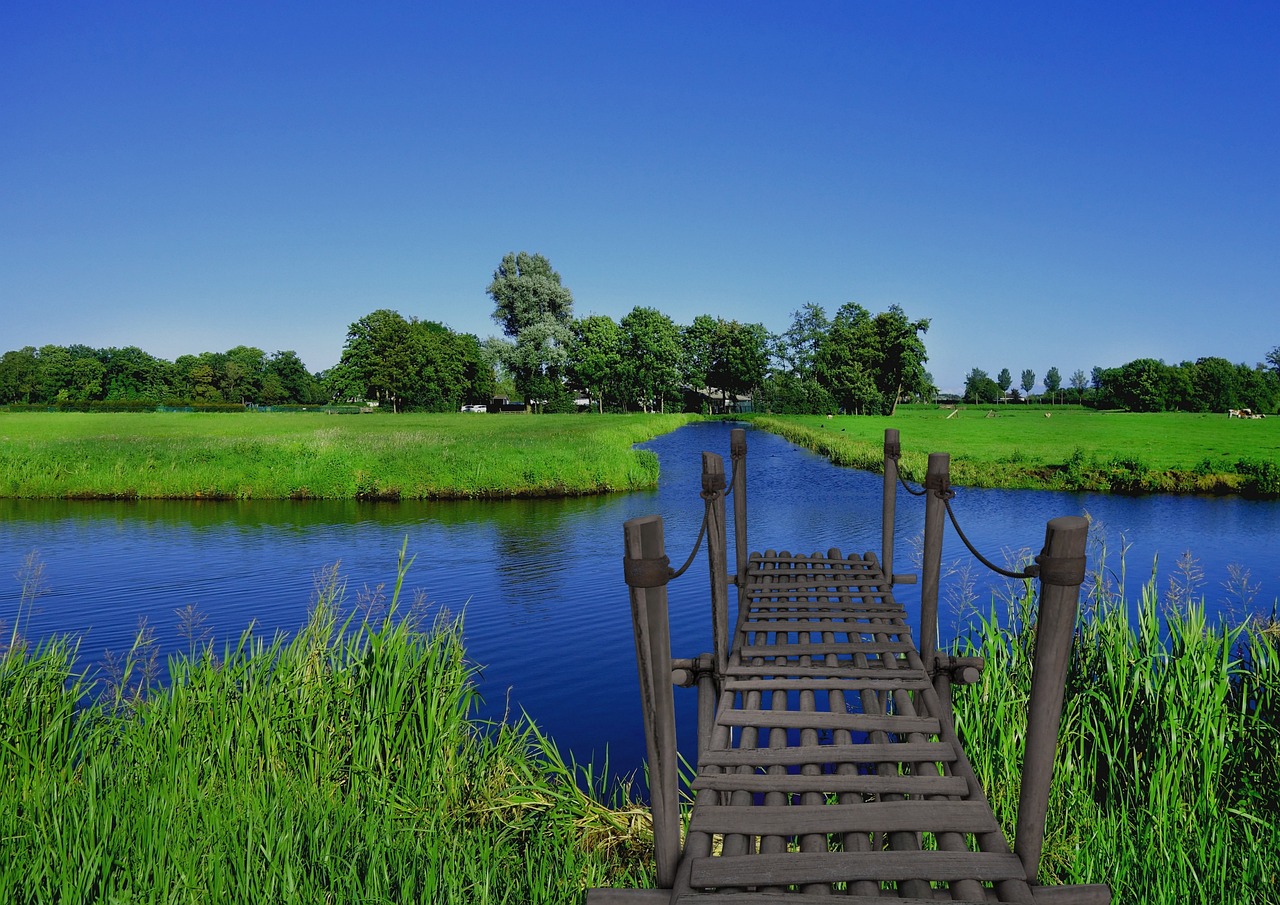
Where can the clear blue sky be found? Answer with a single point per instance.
(1053, 184)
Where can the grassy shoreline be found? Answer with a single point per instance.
(345, 765)
(314, 456)
(1072, 449)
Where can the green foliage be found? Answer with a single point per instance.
(868, 363)
(1262, 477)
(1169, 734)
(342, 766)
(980, 389)
(535, 310)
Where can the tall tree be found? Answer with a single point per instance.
(1273, 359)
(1078, 382)
(596, 357)
(899, 355)
(1028, 381)
(535, 309)
(1004, 380)
(843, 363)
(979, 388)
(1052, 381)
(651, 358)
(798, 346)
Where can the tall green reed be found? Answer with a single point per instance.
(343, 764)
(1167, 784)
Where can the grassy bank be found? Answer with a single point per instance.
(1072, 449)
(344, 766)
(1166, 781)
(315, 456)
(341, 766)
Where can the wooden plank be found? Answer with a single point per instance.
(802, 622)
(799, 898)
(867, 753)
(845, 668)
(844, 683)
(854, 722)
(867, 817)
(835, 867)
(829, 783)
(820, 649)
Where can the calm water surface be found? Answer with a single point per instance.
(540, 581)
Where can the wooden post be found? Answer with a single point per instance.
(647, 572)
(717, 557)
(738, 455)
(1062, 566)
(937, 481)
(892, 448)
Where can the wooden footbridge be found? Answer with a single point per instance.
(828, 763)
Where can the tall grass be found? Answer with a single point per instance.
(314, 456)
(340, 766)
(1167, 785)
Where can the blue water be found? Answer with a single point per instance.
(539, 582)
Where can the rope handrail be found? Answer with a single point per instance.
(1031, 571)
(650, 573)
(903, 481)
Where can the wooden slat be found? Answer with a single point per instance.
(870, 753)
(821, 648)
(829, 783)
(850, 683)
(868, 817)
(792, 622)
(834, 867)
(794, 898)
(855, 722)
(846, 668)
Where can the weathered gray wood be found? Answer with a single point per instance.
(793, 898)
(816, 684)
(889, 503)
(713, 484)
(843, 669)
(937, 477)
(1082, 894)
(904, 783)
(738, 455)
(1065, 540)
(643, 541)
(882, 817)
(604, 896)
(862, 753)
(840, 647)
(833, 867)
(854, 722)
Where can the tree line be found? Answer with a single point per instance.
(547, 358)
(1209, 384)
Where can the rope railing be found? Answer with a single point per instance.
(903, 481)
(653, 573)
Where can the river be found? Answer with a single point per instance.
(539, 582)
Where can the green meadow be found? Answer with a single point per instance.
(318, 456)
(1057, 447)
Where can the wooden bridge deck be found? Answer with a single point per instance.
(828, 761)
(831, 755)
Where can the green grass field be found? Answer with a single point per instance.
(1071, 449)
(317, 456)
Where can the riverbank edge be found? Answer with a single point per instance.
(1079, 474)
(537, 468)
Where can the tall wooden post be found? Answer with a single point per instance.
(738, 455)
(717, 557)
(892, 448)
(1062, 567)
(937, 481)
(647, 572)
